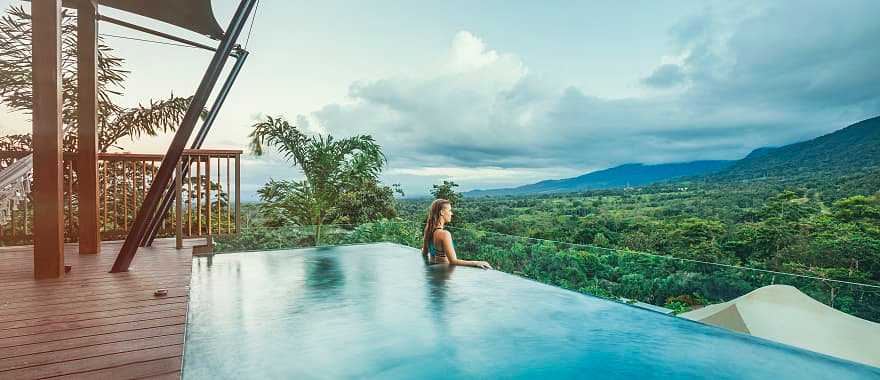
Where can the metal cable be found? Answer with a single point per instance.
(616, 251)
(145, 40)
(675, 258)
(251, 28)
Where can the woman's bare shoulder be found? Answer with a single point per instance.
(443, 234)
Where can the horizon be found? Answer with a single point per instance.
(645, 83)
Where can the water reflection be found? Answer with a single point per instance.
(361, 312)
(324, 275)
(438, 276)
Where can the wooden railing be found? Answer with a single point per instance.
(210, 195)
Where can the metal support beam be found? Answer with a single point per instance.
(154, 32)
(168, 198)
(241, 56)
(172, 157)
(47, 140)
(87, 107)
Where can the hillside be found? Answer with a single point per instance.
(845, 151)
(619, 176)
(853, 151)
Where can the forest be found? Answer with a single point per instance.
(807, 215)
(652, 244)
(678, 245)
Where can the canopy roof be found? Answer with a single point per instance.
(194, 15)
(782, 313)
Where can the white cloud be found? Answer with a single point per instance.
(484, 119)
(469, 52)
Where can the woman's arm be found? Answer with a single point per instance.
(446, 237)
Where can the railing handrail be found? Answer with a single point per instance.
(212, 191)
(121, 156)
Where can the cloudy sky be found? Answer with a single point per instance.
(499, 93)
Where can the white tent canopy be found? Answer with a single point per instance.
(784, 314)
(15, 183)
(14, 186)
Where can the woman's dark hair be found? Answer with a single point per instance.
(432, 222)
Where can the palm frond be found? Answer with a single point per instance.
(278, 133)
(159, 116)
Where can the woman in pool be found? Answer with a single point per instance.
(437, 246)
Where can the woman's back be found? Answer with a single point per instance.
(435, 247)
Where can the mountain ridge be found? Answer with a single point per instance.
(632, 174)
(843, 151)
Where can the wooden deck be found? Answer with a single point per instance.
(93, 324)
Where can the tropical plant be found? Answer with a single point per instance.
(332, 169)
(446, 190)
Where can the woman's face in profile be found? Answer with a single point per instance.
(446, 213)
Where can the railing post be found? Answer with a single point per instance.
(13, 221)
(228, 196)
(208, 191)
(237, 194)
(105, 188)
(178, 204)
(189, 194)
(219, 199)
(122, 164)
(198, 195)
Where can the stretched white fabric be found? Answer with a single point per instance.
(784, 314)
(14, 186)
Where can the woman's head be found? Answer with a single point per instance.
(441, 210)
(439, 213)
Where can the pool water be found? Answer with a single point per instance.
(375, 311)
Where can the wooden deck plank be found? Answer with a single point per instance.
(91, 323)
(37, 348)
(96, 291)
(76, 366)
(98, 330)
(160, 369)
(77, 317)
(134, 295)
(167, 376)
(59, 356)
(90, 290)
(73, 284)
(86, 307)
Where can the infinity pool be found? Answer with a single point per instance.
(375, 311)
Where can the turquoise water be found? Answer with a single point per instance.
(375, 311)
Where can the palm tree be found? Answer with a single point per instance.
(114, 121)
(332, 167)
